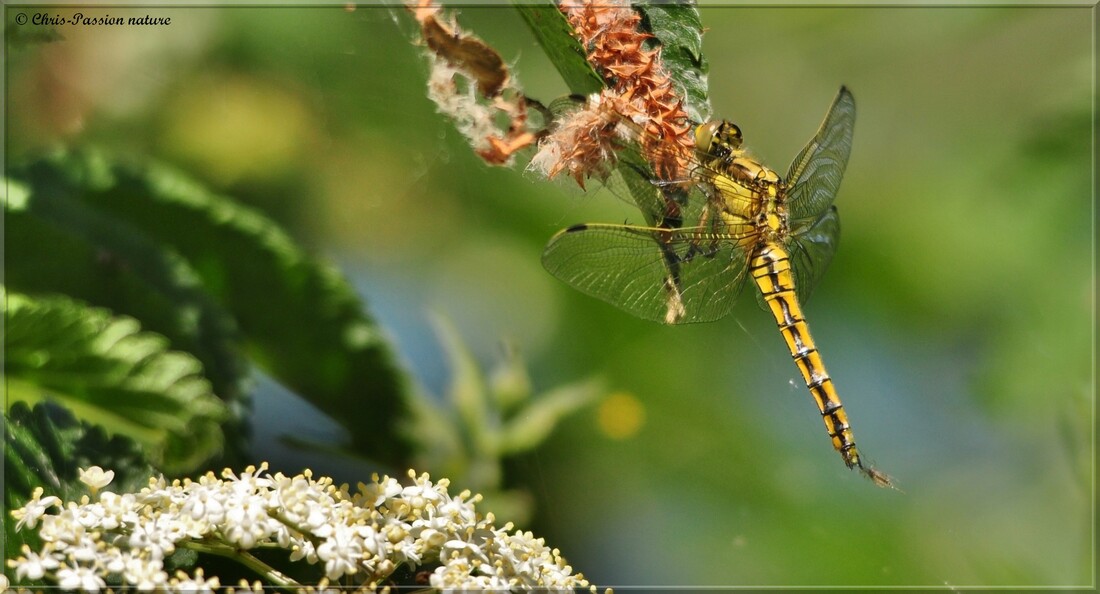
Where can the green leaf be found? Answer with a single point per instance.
(300, 319)
(57, 243)
(678, 27)
(555, 36)
(109, 372)
(509, 382)
(532, 425)
(468, 392)
(45, 447)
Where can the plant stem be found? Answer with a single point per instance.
(245, 558)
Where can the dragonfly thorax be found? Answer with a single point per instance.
(752, 173)
(772, 220)
(753, 211)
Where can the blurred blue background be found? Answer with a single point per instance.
(957, 318)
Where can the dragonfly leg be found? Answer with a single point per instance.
(674, 301)
(696, 248)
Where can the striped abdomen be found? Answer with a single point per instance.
(771, 269)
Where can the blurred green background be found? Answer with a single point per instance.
(957, 318)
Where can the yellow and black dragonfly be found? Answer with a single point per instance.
(734, 219)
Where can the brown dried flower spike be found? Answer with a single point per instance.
(487, 92)
(639, 91)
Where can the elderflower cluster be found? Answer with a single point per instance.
(359, 538)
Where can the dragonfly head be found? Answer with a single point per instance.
(717, 138)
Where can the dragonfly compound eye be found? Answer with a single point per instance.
(705, 135)
(730, 135)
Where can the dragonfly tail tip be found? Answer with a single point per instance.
(881, 479)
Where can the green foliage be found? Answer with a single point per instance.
(484, 419)
(955, 318)
(212, 276)
(113, 374)
(143, 298)
(60, 244)
(680, 30)
(554, 35)
(45, 446)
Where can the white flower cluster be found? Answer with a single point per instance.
(360, 538)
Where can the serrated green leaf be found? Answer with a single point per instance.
(57, 244)
(555, 36)
(44, 447)
(679, 29)
(299, 318)
(531, 425)
(113, 374)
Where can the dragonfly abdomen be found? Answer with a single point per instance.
(771, 269)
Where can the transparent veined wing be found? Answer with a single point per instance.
(661, 204)
(811, 249)
(814, 176)
(671, 276)
(670, 203)
(631, 159)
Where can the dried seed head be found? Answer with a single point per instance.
(470, 83)
(639, 93)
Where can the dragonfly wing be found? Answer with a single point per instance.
(814, 176)
(662, 205)
(811, 250)
(663, 275)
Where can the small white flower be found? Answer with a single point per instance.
(408, 552)
(89, 516)
(145, 574)
(453, 549)
(206, 504)
(423, 488)
(433, 539)
(304, 550)
(196, 585)
(96, 478)
(79, 578)
(247, 522)
(33, 566)
(62, 529)
(340, 552)
(86, 550)
(29, 514)
(156, 536)
(118, 510)
(114, 560)
(458, 511)
(379, 492)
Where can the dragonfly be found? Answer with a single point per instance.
(737, 219)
